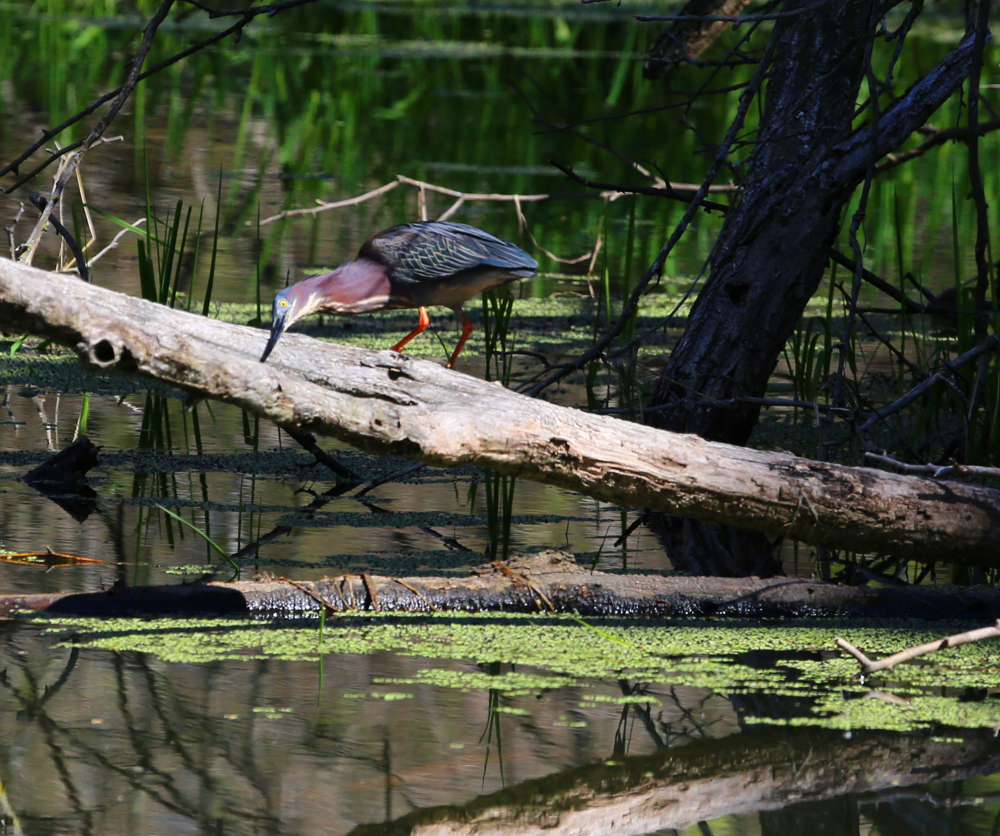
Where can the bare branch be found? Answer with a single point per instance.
(900, 119)
(236, 29)
(613, 190)
(115, 240)
(991, 343)
(324, 206)
(982, 247)
(869, 666)
(461, 197)
(133, 78)
(936, 471)
(935, 137)
(877, 281)
(696, 203)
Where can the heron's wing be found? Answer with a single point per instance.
(433, 250)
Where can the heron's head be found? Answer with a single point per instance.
(290, 305)
(356, 287)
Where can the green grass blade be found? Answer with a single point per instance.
(215, 250)
(201, 534)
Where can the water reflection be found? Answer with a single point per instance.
(100, 742)
(264, 500)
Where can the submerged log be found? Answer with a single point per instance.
(555, 582)
(551, 582)
(391, 403)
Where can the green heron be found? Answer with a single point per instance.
(409, 266)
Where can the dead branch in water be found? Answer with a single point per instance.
(869, 666)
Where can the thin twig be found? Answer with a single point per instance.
(936, 136)
(611, 191)
(697, 202)
(937, 471)
(133, 78)
(982, 246)
(877, 281)
(523, 223)
(236, 29)
(916, 370)
(869, 666)
(40, 204)
(324, 206)
(115, 240)
(857, 222)
(991, 343)
(10, 231)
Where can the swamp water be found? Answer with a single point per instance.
(453, 724)
(417, 724)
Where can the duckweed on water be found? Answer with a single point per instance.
(190, 569)
(637, 699)
(776, 661)
(469, 681)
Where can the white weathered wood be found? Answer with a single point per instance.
(385, 402)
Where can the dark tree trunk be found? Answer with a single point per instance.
(771, 255)
(772, 252)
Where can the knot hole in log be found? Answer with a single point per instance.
(104, 352)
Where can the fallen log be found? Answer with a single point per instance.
(550, 582)
(391, 403)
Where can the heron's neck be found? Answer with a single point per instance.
(355, 287)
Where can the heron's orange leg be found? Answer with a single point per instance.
(423, 320)
(467, 328)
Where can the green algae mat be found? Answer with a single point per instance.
(781, 674)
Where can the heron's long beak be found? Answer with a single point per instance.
(277, 329)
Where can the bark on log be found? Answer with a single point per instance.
(760, 769)
(548, 582)
(392, 403)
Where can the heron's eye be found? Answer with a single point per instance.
(283, 303)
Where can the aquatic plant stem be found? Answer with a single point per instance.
(201, 534)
